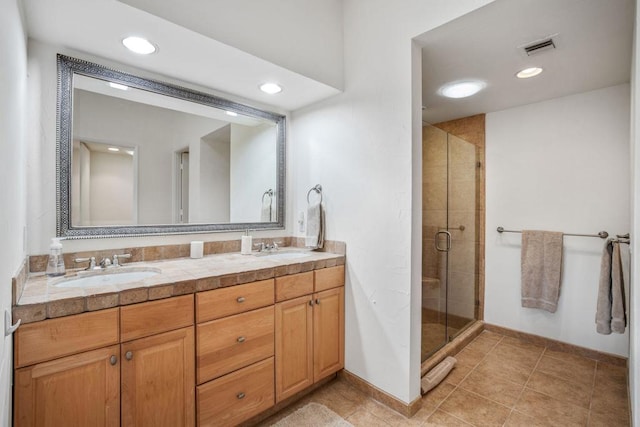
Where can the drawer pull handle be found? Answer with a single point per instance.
(113, 360)
(240, 395)
(318, 301)
(240, 299)
(311, 302)
(241, 339)
(128, 355)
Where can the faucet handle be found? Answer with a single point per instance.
(275, 244)
(260, 245)
(117, 258)
(91, 261)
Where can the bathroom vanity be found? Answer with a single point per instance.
(213, 341)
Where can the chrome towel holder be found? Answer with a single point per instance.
(269, 193)
(318, 189)
(601, 234)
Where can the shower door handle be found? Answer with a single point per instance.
(448, 240)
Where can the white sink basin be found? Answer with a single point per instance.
(282, 255)
(109, 277)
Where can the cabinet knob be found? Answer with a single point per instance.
(113, 360)
(317, 301)
(241, 339)
(240, 395)
(240, 299)
(128, 355)
(311, 302)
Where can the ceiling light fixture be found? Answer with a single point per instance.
(528, 72)
(113, 149)
(232, 114)
(271, 88)
(139, 45)
(130, 152)
(462, 89)
(118, 86)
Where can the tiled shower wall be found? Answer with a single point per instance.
(466, 208)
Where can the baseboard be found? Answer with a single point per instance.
(559, 345)
(408, 410)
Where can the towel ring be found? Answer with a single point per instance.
(269, 192)
(317, 189)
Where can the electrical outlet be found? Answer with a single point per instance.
(301, 222)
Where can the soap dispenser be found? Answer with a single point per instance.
(55, 266)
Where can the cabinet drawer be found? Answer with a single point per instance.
(294, 285)
(149, 318)
(328, 278)
(50, 339)
(236, 397)
(234, 342)
(224, 302)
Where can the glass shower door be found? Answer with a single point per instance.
(449, 237)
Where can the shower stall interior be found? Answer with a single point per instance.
(450, 237)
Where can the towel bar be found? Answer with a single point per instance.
(601, 234)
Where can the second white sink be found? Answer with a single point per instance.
(282, 255)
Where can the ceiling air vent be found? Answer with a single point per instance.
(539, 47)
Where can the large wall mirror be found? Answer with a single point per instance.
(138, 156)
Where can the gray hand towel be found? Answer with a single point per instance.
(541, 269)
(618, 312)
(315, 226)
(603, 310)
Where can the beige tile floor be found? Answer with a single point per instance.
(498, 381)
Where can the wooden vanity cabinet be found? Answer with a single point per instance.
(148, 380)
(158, 380)
(79, 390)
(310, 334)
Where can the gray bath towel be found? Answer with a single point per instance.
(541, 269)
(603, 309)
(315, 226)
(618, 314)
(611, 312)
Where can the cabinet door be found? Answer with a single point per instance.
(79, 390)
(328, 332)
(294, 346)
(158, 380)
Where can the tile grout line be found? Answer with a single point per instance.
(593, 389)
(456, 386)
(525, 385)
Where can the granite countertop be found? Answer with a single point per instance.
(41, 299)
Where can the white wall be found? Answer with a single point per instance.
(558, 165)
(156, 133)
(253, 170)
(359, 145)
(111, 183)
(304, 36)
(209, 187)
(13, 87)
(634, 309)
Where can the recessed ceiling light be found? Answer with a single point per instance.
(271, 88)
(113, 149)
(528, 72)
(139, 45)
(232, 114)
(118, 86)
(462, 89)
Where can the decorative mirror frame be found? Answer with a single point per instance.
(67, 67)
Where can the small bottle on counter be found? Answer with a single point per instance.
(245, 246)
(55, 266)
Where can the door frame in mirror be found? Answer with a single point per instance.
(67, 67)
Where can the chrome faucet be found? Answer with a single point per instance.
(104, 263)
(264, 247)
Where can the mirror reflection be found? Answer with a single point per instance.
(145, 157)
